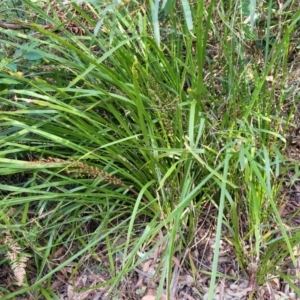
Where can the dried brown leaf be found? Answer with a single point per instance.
(149, 297)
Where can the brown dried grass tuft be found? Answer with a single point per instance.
(16, 257)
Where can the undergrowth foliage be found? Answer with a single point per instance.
(150, 111)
